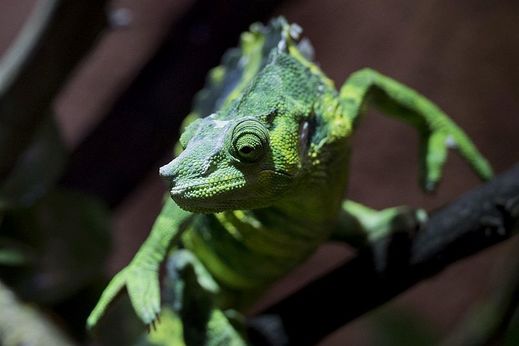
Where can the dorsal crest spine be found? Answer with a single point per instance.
(240, 65)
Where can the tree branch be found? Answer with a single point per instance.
(473, 222)
(58, 34)
(23, 325)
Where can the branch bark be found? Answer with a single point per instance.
(58, 34)
(473, 222)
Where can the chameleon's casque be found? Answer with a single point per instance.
(259, 179)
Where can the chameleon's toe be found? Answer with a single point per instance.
(434, 155)
(152, 325)
(142, 283)
(482, 168)
(113, 288)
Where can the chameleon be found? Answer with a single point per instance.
(259, 179)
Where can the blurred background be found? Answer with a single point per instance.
(118, 110)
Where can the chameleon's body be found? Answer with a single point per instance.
(260, 182)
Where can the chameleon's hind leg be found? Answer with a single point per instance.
(191, 292)
(359, 225)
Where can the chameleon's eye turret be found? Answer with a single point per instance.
(250, 140)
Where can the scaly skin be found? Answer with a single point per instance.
(259, 180)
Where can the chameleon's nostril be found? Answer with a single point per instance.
(208, 168)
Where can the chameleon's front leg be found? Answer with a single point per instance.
(359, 225)
(141, 276)
(191, 292)
(437, 131)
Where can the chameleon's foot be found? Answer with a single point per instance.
(191, 291)
(397, 220)
(435, 146)
(142, 283)
(361, 226)
(185, 270)
(391, 245)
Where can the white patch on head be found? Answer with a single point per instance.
(219, 124)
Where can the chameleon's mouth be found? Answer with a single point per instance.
(206, 189)
(208, 196)
(212, 195)
(211, 187)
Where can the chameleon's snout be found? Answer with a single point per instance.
(167, 171)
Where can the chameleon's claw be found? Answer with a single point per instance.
(152, 326)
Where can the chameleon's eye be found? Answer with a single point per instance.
(249, 141)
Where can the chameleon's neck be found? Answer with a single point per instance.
(312, 208)
(311, 214)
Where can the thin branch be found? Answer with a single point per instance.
(475, 221)
(19, 53)
(58, 34)
(23, 325)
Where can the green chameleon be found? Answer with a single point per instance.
(259, 180)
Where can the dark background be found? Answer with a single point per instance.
(461, 54)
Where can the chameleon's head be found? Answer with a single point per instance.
(254, 151)
(239, 163)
